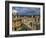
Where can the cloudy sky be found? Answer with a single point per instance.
(27, 10)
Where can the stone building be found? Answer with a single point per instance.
(32, 22)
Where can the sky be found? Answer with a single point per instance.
(27, 10)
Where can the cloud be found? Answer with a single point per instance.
(27, 10)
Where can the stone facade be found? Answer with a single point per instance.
(32, 22)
